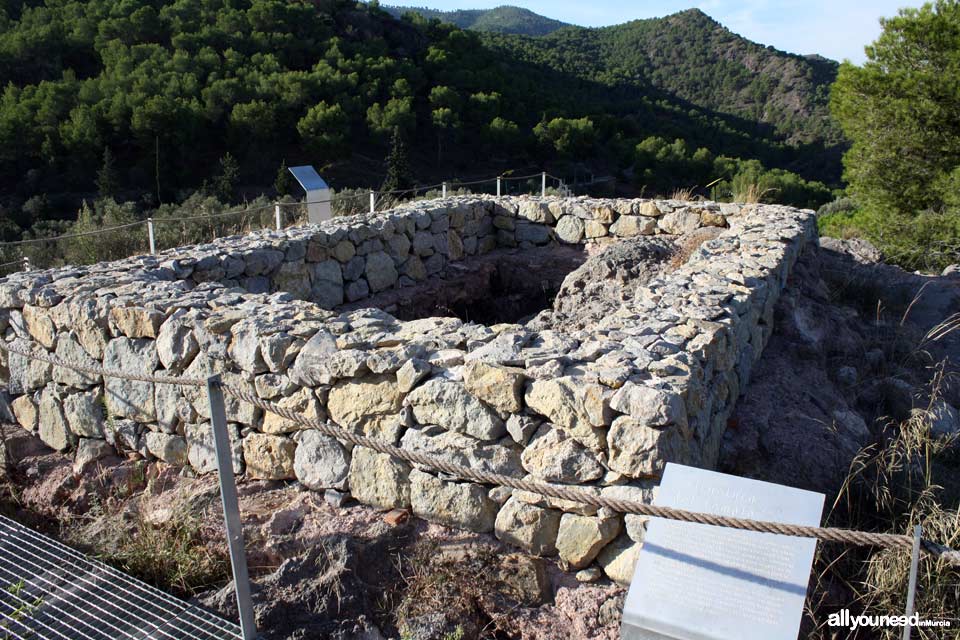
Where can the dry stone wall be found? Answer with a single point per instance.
(604, 406)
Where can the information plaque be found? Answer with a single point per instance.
(700, 582)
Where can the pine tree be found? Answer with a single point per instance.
(226, 181)
(398, 165)
(107, 181)
(284, 182)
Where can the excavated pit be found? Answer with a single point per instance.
(548, 287)
(503, 286)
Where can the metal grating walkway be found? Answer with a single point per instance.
(48, 590)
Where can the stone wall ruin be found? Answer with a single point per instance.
(602, 403)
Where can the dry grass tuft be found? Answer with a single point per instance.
(684, 195)
(752, 193)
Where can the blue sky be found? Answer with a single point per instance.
(838, 29)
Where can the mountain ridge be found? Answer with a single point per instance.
(508, 19)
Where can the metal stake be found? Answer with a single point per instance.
(499, 179)
(444, 189)
(543, 185)
(276, 215)
(231, 508)
(373, 201)
(912, 588)
(153, 242)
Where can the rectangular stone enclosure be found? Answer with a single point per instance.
(304, 317)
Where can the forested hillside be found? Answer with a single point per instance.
(148, 101)
(506, 19)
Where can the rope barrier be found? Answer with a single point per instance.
(72, 235)
(573, 494)
(452, 183)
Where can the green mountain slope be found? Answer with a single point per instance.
(694, 58)
(183, 96)
(505, 19)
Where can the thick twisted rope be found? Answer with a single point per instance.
(100, 371)
(576, 494)
(573, 494)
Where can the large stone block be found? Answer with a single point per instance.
(131, 398)
(456, 504)
(269, 457)
(321, 462)
(528, 527)
(580, 538)
(552, 456)
(641, 451)
(498, 386)
(580, 408)
(448, 405)
(377, 479)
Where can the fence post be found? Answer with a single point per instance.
(153, 241)
(276, 216)
(912, 587)
(373, 201)
(543, 185)
(444, 189)
(499, 181)
(26, 263)
(231, 508)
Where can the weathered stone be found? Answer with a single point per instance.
(593, 230)
(202, 448)
(570, 229)
(170, 448)
(530, 528)
(354, 403)
(619, 558)
(28, 374)
(84, 413)
(89, 450)
(553, 457)
(381, 272)
(521, 428)
(632, 226)
(500, 387)
(535, 211)
(680, 222)
(311, 367)
(327, 284)
(304, 403)
(457, 448)
(580, 538)
(448, 405)
(653, 407)
(69, 350)
(640, 451)
(279, 350)
(25, 412)
(377, 479)
(321, 462)
(244, 347)
(294, 278)
(572, 404)
(456, 504)
(177, 346)
(269, 457)
(124, 435)
(129, 398)
(53, 429)
(344, 251)
(136, 322)
(40, 326)
(532, 233)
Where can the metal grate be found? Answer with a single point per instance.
(48, 590)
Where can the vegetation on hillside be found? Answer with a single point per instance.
(900, 111)
(150, 101)
(505, 19)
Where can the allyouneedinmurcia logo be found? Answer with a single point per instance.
(844, 618)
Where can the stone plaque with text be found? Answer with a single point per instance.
(699, 582)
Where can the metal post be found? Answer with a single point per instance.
(499, 180)
(543, 185)
(231, 508)
(444, 189)
(373, 201)
(912, 588)
(276, 215)
(153, 242)
(26, 263)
